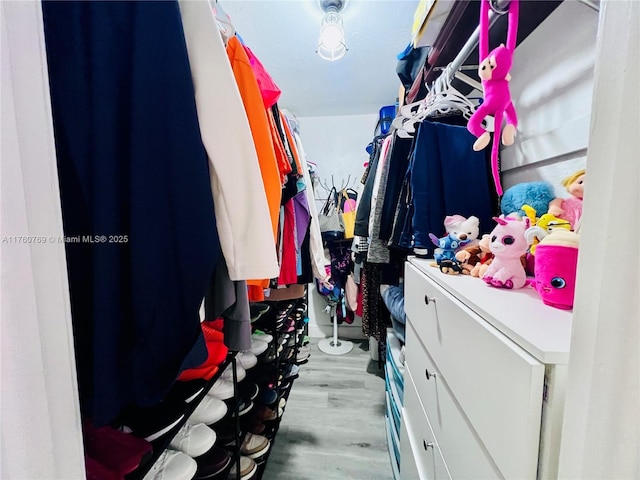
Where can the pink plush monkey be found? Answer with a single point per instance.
(494, 73)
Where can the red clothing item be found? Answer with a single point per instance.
(288, 272)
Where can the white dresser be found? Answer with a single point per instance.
(484, 382)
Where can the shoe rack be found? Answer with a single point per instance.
(162, 443)
(287, 322)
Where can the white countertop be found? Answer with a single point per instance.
(541, 330)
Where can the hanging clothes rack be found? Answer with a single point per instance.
(410, 115)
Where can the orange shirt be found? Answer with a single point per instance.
(260, 128)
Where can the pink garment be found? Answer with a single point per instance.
(572, 207)
(288, 271)
(268, 88)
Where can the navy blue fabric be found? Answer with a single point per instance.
(130, 162)
(399, 162)
(448, 178)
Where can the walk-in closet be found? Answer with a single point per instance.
(320, 240)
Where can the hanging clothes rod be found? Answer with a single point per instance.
(498, 8)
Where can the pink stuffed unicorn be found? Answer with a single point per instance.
(494, 72)
(508, 244)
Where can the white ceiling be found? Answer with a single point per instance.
(284, 35)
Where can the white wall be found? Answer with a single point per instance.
(337, 145)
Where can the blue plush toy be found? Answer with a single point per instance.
(449, 244)
(536, 194)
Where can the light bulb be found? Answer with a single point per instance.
(332, 35)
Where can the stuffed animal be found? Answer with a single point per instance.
(570, 209)
(544, 225)
(447, 247)
(494, 72)
(556, 264)
(536, 194)
(463, 229)
(475, 259)
(508, 245)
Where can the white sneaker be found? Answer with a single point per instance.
(258, 347)
(246, 360)
(260, 335)
(247, 468)
(172, 465)
(222, 389)
(209, 411)
(194, 440)
(228, 372)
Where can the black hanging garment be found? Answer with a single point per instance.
(132, 170)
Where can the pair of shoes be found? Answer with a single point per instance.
(194, 440)
(256, 427)
(172, 464)
(248, 391)
(227, 374)
(244, 407)
(260, 335)
(267, 396)
(186, 391)
(150, 423)
(114, 450)
(221, 389)
(248, 468)
(258, 347)
(290, 373)
(257, 310)
(303, 355)
(267, 414)
(254, 446)
(247, 359)
(226, 431)
(212, 463)
(209, 411)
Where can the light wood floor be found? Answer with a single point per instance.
(333, 426)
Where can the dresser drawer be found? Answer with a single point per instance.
(417, 431)
(495, 383)
(464, 453)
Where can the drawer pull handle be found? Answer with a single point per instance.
(428, 300)
(429, 375)
(427, 445)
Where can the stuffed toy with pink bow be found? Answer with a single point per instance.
(508, 244)
(494, 73)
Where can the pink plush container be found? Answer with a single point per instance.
(555, 274)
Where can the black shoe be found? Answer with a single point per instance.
(186, 391)
(153, 422)
(212, 463)
(248, 391)
(258, 310)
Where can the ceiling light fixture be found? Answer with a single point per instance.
(331, 45)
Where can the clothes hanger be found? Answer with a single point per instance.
(226, 28)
